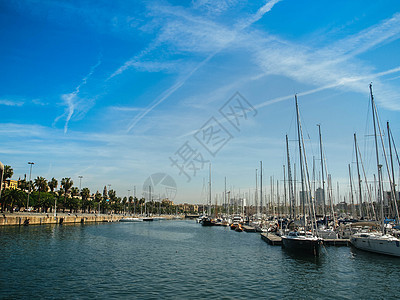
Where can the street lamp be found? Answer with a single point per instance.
(129, 203)
(29, 190)
(80, 181)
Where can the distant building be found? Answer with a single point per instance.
(388, 196)
(10, 184)
(303, 198)
(167, 202)
(319, 196)
(189, 208)
(341, 207)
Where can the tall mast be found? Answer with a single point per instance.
(256, 195)
(261, 195)
(301, 162)
(322, 170)
(271, 200)
(386, 162)
(393, 181)
(379, 166)
(359, 177)
(291, 193)
(295, 195)
(330, 192)
(392, 167)
(369, 187)
(277, 197)
(225, 195)
(351, 193)
(209, 192)
(284, 190)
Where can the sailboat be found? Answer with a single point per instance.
(207, 220)
(378, 242)
(131, 220)
(307, 243)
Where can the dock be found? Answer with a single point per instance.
(271, 239)
(42, 219)
(336, 242)
(249, 228)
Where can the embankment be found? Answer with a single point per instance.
(48, 219)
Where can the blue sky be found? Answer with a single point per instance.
(114, 90)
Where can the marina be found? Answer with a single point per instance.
(200, 149)
(173, 259)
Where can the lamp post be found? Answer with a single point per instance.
(80, 181)
(129, 203)
(29, 190)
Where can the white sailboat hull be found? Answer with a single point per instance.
(131, 220)
(377, 243)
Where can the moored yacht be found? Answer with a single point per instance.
(376, 242)
(306, 244)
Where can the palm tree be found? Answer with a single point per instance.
(59, 193)
(53, 183)
(41, 185)
(97, 199)
(7, 173)
(13, 197)
(74, 191)
(85, 194)
(22, 184)
(66, 183)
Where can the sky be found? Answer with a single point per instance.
(123, 92)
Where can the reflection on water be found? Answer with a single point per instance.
(179, 259)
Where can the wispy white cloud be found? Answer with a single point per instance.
(8, 102)
(332, 66)
(189, 38)
(341, 82)
(39, 102)
(71, 100)
(324, 68)
(214, 7)
(126, 108)
(367, 39)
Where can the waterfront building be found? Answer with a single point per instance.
(10, 184)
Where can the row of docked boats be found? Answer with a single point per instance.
(308, 236)
(361, 235)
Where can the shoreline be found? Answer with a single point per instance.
(27, 218)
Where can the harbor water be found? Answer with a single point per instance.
(179, 260)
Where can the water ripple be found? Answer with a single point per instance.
(179, 260)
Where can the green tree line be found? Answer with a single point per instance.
(45, 197)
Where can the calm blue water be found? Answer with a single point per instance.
(179, 260)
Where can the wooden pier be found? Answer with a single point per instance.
(271, 239)
(249, 228)
(336, 242)
(276, 240)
